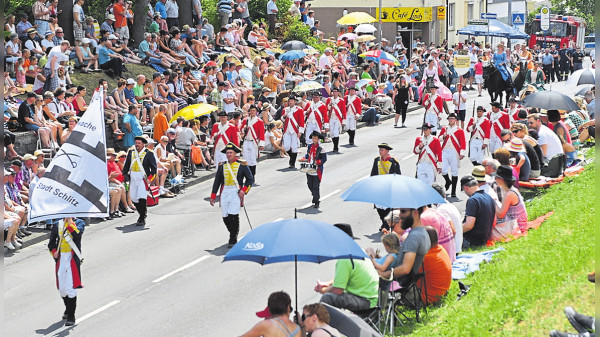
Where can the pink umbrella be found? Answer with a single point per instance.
(349, 36)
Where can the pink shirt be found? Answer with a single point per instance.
(478, 68)
(432, 217)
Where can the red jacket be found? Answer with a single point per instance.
(225, 134)
(354, 107)
(502, 122)
(293, 119)
(319, 110)
(338, 109)
(256, 129)
(438, 102)
(433, 149)
(480, 128)
(456, 138)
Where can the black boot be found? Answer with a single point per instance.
(227, 222)
(351, 134)
(336, 143)
(253, 170)
(454, 183)
(64, 316)
(71, 306)
(293, 156)
(142, 210)
(447, 179)
(235, 229)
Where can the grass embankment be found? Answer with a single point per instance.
(524, 290)
(90, 81)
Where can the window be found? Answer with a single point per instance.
(451, 16)
(470, 8)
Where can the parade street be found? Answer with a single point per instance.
(168, 278)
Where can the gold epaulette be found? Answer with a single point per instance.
(243, 162)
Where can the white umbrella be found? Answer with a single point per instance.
(365, 28)
(582, 76)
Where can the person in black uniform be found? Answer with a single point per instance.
(577, 58)
(65, 247)
(384, 164)
(234, 179)
(138, 178)
(564, 64)
(315, 155)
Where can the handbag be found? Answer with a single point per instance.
(504, 230)
(196, 154)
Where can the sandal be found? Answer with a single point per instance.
(129, 210)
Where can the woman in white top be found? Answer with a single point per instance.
(10, 25)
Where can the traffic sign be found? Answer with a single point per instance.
(518, 19)
(478, 22)
(545, 18)
(488, 16)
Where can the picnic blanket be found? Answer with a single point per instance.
(468, 263)
(535, 223)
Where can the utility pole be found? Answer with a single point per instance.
(380, 24)
(510, 23)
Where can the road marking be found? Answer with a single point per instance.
(323, 198)
(365, 177)
(83, 318)
(196, 261)
(410, 155)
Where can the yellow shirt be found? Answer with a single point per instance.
(230, 180)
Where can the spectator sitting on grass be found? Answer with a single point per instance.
(438, 271)
(480, 214)
(149, 54)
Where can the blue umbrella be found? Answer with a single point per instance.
(494, 28)
(393, 191)
(295, 240)
(291, 55)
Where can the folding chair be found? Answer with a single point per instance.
(403, 299)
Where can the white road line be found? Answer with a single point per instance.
(181, 268)
(278, 219)
(365, 177)
(330, 194)
(410, 155)
(83, 318)
(307, 205)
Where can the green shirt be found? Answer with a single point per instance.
(153, 27)
(361, 281)
(138, 91)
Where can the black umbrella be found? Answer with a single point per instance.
(582, 76)
(349, 324)
(550, 100)
(583, 90)
(294, 45)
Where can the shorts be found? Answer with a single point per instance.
(467, 75)
(9, 223)
(478, 79)
(461, 115)
(123, 32)
(114, 186)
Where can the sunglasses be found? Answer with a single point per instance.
(506, 140)
(304, 317)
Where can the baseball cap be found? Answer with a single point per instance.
(171, 130)
(130, 81)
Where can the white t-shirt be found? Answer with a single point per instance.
(228, 107)
(47, 44)
(55, 51)
(548, 137)
(451, 213)
(310, 21)
(324, 61)
(462, 104)
(30, 44)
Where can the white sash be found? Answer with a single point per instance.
(222, 130)
(68, 240)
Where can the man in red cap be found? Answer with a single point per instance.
(429, 152)
(453, 151)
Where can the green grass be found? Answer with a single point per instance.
(524, 290)
(90, 81)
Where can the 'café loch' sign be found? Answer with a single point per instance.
(405, 14)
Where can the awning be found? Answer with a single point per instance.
(494, 28)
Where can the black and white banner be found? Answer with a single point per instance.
(75, 183)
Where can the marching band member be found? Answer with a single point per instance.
(317, 118)
(479, 128)
(234, 180)
(293, 117)
(139, 169)
(337, 116)
(254, 138)
(429, 152)
(499, 121)
(65, 247)
(223, 133)
(315, 155)
(434, 105)
(453, 151)
(353, 111)
(384, 164)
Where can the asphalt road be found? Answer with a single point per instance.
(169, 279)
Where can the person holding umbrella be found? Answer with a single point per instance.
(429, 151)
(234, 180)
(316, 156)
(384, 164)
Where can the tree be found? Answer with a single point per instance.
(65, 19)
(581, 8)
(140, 8)
(185, 13)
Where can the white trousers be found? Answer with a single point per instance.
(220, 157)
(351, 122)
(426, 173)
(230, 201)
(65, 276)
(335, 127)
(387, 102)
(291, 141)
(477, 153)
(309, 129)
(250, 152)
(137, 188)
(432, 119)
(495, 142)
(450, 161)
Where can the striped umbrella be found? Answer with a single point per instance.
(381, 57)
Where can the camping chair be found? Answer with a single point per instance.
(410, 296)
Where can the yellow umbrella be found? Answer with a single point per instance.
(193, 111)
(356, 18)
(365, 38)
(221, 59)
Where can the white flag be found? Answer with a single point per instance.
(75, 183)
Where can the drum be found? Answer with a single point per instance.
(308, 168)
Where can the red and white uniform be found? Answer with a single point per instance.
(353, 111)
(428, 157)
(454, 145)
(293, 127)
(434, 107)
(479, 128)
(316, 119)
(499, 120)
(223, 134)
(513, 114)
(254, 137)
(337, 115)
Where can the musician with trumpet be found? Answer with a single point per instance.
(312, 165)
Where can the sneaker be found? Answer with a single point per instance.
(9, 245)
(555, 333)
(17, 244)
(26, 231)
(581, 323)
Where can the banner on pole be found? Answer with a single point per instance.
(462, 64)
(75, 183)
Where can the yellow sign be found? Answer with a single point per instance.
(462, 63)
(405, 14)
(441, 13)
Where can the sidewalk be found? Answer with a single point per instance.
(40, 235)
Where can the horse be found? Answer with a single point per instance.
(495, 84)
(519, 77)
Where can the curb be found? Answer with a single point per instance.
(40, 235)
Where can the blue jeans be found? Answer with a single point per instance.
(43, 26)
(370, 116)
(154, 60)
(31, 127)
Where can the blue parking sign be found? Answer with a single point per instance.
(518, 19)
